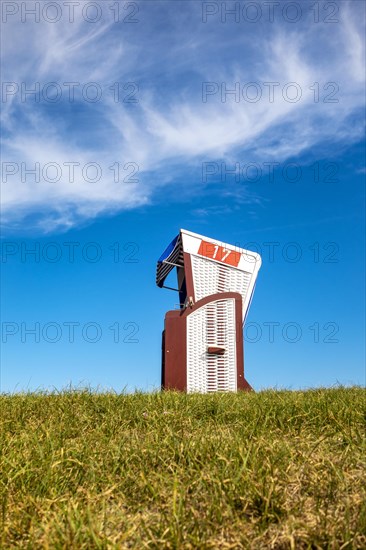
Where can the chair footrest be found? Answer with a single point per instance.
(216, 350)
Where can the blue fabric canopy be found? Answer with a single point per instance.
(169, 249)
(170, 258)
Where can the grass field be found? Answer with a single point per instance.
(273, 469)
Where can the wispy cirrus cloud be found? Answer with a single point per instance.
(115, 152)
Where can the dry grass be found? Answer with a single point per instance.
(275, 469)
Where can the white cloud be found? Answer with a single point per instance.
(170, 126)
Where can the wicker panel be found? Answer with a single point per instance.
(211, 277)
(211, 325)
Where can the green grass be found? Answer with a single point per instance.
(274, 469)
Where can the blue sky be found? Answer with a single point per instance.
(201, 93)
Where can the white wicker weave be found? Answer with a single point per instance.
(212, 325)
